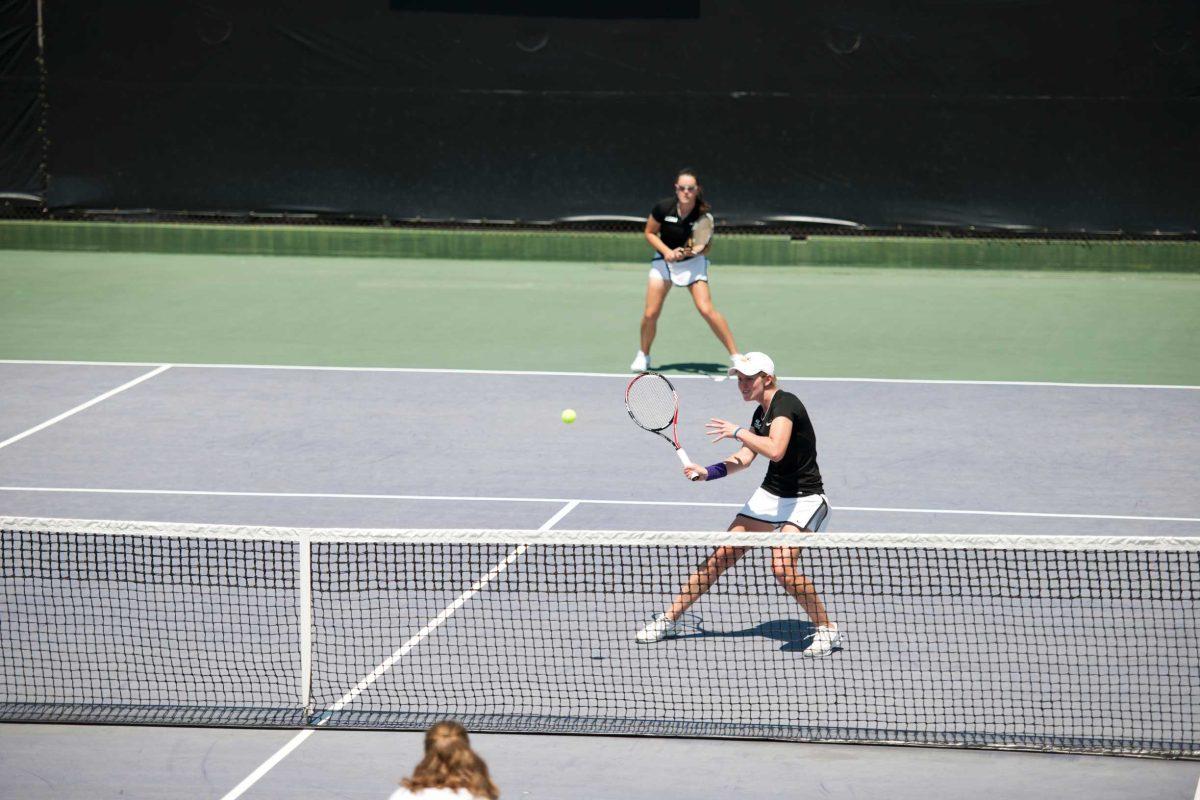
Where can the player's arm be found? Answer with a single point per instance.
(735, 463)
(653, 228)
(772, 446)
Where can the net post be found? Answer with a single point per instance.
(304, 586)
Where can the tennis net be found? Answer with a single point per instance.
(1080, 644)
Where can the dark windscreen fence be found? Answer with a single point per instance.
(1058, 117)
(22, 180)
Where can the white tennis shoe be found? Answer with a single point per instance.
(658, 629)
(641, 362)
(824, 641)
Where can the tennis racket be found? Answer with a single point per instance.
(702, 231)
(652, 403)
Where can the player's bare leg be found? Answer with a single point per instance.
(703, 578)
(702, 297)
(656, 294)
(784, 565)
(714, 567)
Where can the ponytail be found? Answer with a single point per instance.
(450, 763)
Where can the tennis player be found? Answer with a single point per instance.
(450, 770)
(668, 229)
(791, 498)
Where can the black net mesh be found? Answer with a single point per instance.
(1079, 648)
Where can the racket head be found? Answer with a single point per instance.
(702, 232)
(651, 402)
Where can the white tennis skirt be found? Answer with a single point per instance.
(680, 273)
(810, 512)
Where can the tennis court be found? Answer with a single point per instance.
(282, 426)
(317, 333)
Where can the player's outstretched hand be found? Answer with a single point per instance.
(695, 472)
(720, 429)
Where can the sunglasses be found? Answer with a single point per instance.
(679, 188)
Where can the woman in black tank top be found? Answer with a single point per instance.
(668, 229)
(791, 500)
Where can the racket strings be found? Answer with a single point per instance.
(702, 232)
(651, 402)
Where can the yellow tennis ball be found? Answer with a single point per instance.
(568, 415)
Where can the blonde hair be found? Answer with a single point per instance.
(450, 763)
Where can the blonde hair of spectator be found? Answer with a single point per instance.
(450, 763)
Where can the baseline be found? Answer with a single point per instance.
(624, 375)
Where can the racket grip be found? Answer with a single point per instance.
(683, 456)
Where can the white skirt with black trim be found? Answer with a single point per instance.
(810, 513)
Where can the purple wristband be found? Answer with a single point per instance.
(716, 471)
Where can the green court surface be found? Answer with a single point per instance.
(1076, 326)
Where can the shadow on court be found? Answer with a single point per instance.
(795, 634)
(693, 368)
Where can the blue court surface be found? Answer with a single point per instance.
(394, 448)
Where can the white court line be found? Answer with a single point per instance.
(625, 375)
(83, 406)
(391, 661)
(583, 501)
(1013, 514)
